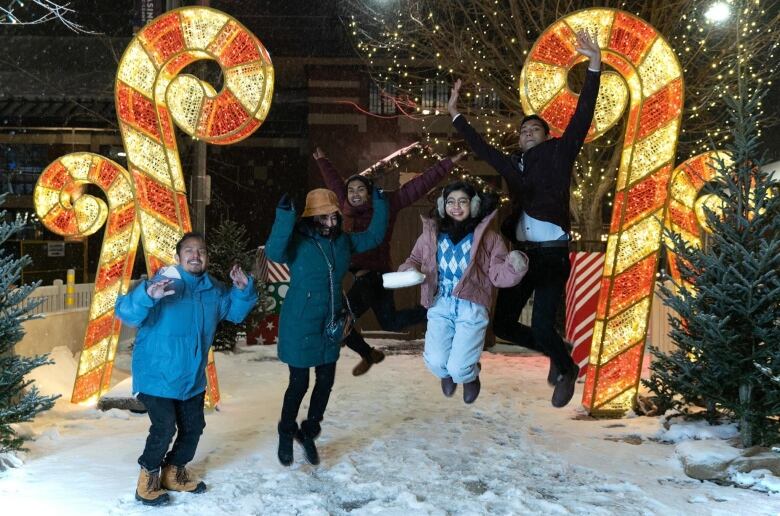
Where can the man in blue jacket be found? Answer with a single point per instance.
(176, 314)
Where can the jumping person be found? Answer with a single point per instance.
(462, 259)
(539, 179)
(354, 197)
(176, 314)
(318, 253)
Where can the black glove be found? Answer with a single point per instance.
(285, 203)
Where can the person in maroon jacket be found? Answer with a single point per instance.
(354, 196)
(539, 180)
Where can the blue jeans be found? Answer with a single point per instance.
(169, 417)
(454, 338)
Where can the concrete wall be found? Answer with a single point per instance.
(66, 328)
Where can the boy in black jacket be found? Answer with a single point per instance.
(539, 179)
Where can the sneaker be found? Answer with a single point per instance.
(564, 387)
(448, 386)
(374, 357)
(309, 449)
(471, 391)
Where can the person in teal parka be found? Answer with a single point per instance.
(309, 247)
(176, 314)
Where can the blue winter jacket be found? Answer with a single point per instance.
(176, 332)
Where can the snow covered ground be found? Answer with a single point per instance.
(391, 444)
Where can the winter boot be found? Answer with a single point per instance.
(552, 375)
(564, 387)
(305, 437)
(149, 491)
(179, 478)
(471, 391)
(285, 452)
(448, 386)
(374, 357)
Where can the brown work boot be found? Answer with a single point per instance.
(374, 357)
(179, 478)
(148, 491)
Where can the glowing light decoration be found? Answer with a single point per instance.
(648, 80)
(686, 215)
(149, 201)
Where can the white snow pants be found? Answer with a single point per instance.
(454, 338)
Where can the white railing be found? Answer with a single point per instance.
(53, 297)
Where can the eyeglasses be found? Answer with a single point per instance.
(462, 202)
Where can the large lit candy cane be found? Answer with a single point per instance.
(686, 208)
(150, 199)
(649, 81)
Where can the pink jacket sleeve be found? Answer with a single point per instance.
(502, 273)
(415, 259)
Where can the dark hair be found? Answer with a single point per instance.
(457, 230)
(187, 236)
(541, 120)
(363, 179)
(310, 225)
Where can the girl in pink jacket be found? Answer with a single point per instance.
(463, 261)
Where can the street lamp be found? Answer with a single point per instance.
(718, 12)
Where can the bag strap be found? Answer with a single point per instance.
(332, 287)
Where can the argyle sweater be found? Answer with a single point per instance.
(453, 260)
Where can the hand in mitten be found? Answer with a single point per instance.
(285, 203)
(518, 261)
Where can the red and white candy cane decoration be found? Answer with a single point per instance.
(150, 200)
(649, 81)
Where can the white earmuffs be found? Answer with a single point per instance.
(473, 210)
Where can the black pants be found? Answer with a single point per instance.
(367, 293)
(548, 271)
(184, 418)
(296, 390)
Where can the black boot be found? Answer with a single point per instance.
(471, 390)
(564, 387)
(305, 437)
(448, 386)
(285, 452)
(552, 375)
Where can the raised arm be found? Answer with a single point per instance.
(134, 307)
(375, 233)
(277, 247)
(416, 188)
(484, 151)
(242, 297)
(330, 175)
(574, 135)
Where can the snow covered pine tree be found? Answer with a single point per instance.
(20, 401)
(727, 331)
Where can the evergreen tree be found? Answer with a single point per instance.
(229, 244)
(727, 328)
(20, 400)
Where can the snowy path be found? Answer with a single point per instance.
(391, 444)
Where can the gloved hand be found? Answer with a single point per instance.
(285, 203)
(518, 260)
